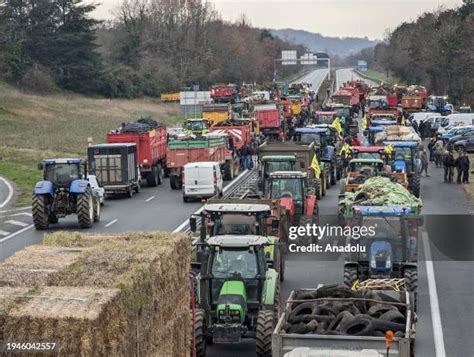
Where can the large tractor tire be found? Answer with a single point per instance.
(333, 174)
(265, 326)
(39, 208)
(228, 171)
(351, 274)
(174, 182)
(414, 185)
(323, 182)
(199, 333)
(97, 209)
(85, 209)
(160, 173)
(338, 170)
(411, 279)
(152, 178)
(52, 218)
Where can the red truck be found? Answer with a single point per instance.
(151, 148)
(355, 98)
(182, 151)
(222, 93)
(269, 120)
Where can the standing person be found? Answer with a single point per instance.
(457, 165)
(439, 150)
(424, 163)
(356, 141)
(421, 129)
(254, 153)
(431, 149)
(246, 152)
(465, 166)
(448, 162)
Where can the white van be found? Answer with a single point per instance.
(418, 117)
(459, 119)
(202, 180)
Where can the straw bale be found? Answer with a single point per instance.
(33, 265)
(9, 298)
(82, 321)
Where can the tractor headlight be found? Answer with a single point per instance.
(373, 263)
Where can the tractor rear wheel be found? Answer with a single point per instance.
(350, 275)
(265, 326)
(39, 208)
(414, 185)
(333, 174)
(411, 279)
(85, 209)
(152, 177)
(323, 184)
(174, 182)
(318, 188)
(52, 218)
(159, 174)
(228, 171)
(199, 333)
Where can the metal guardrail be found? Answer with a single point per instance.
(238, 188)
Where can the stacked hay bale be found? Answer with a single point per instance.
(102, 295)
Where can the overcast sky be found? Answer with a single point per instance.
(357, 18)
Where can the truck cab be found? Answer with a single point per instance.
(197, 126)
(273, 163)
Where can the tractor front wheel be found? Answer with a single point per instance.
(414, 185)
(40, 212)
(351, 274)
(199, 333)
(85, 209)
(265, 326)
(97, 208)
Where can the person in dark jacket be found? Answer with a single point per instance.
(431, 149)
(464, 164)
(448, 163)
(457, 165)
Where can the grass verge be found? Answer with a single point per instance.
(379, 76)
(36, 127)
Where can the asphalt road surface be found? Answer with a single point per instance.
(6, 193)
(346, 74)
(316, 78)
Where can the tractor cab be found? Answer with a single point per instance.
(391, 251)
(237, 293)
(325, 117)
(439, 104)
(404, 155)
(197, 126)
(368, 167)
(368, 152)
(62, 172)
(319, 136)
(273, 163)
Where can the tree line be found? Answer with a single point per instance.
(148, 48)
(436, 50)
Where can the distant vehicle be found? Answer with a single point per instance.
(460, 119)
(422, 116)
(456, 131)
(97, 188)
(465, 109)
(463, 142)
(202, 180)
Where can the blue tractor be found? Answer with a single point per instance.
(390, 251)
(64, 190)
(440, 104)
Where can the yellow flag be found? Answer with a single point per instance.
(364, 122)
(389, 149)
(403, 120)
(315, 166)
(337, 124)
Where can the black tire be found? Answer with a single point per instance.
(199, 333)
(174, 182)
(350, 275)
(85, 209)
(138, 187)
(333, 174)
(185, 199)
(317, 188)
(97, 209)
(152, 178)
(39, 208)
(360, 326)
(323, 185)
(411, 279)
(159, 174)
(394, 316)
(340, 321)
(265, 326)
(414, 185)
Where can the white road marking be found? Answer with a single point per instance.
(16, 209)
(16, 233)
(4, 233)
(149, 199)
(26, 214)
(10, 192)
(17, 223)
(111, 222)
(434, 303)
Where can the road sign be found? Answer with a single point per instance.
(289, 58)
(309, 59)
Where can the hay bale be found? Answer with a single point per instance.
(82, 321)
(32, 266)
(9, 298)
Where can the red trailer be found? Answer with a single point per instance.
(269, 120)
(355, 98)
(151, 151)
(180, 152)
(222, 93)
(240, 133)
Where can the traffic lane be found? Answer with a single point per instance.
(316, 78)
(347, 74)
(164, 212)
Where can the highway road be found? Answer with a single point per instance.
(346, 74)
(445, 311)
(6, 193)
(315, 77)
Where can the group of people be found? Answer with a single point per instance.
(444, 157)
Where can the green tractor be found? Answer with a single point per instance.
(237, 293)
(196, 126)
(273, 163)
(247, 217)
